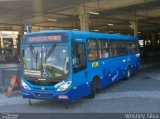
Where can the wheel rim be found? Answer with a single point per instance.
(128, 73)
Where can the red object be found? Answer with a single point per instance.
(12, 84)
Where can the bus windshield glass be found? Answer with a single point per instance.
(46, 61)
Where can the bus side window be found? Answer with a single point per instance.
(92, 50)
(103, 49)
(78, 56)
(127, 47)
(133, 47)
(120, 48)
(113, 48)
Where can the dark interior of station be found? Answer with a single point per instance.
(105, 16)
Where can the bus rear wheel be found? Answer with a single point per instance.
(128, 73)
(94, 88)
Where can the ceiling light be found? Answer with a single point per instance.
(96, 30)
(110, 24)
(159, 33)
(52, 20)
(139, 32)
(75, 29)
(16, 27)
(96, 13)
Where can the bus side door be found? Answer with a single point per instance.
(79, 68)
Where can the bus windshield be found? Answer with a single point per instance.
(46, 61)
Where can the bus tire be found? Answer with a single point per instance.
(128, 73)
(94, 87)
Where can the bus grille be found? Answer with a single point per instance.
(42, 83)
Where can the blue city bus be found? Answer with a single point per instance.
(66, 65)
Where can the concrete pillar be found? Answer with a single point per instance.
(21, 31)
(1, 39)
(84, 18)
(154, 39)
(134, 25)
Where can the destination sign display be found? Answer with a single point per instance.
(44, 38)
(47, 38)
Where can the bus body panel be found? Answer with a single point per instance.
(107, 70)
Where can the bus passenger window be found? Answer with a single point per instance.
(127, 47)
(120, 48)
(92, 50)
(78, 56)
(113, 48)
(105, 54)
(133, 47)
(103, 49)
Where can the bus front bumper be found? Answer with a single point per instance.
(67, 96)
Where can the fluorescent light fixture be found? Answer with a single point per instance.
(10, 32)
(139, 32)
(111, 31)
(96, 13)
(110, 24)
(159, 33)
(75, 29)
(16, 27)
(96, 30)
(52, 20)
(141, 42)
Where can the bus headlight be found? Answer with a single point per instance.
(25, 86)
(65, 86)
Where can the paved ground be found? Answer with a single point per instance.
(139, 94)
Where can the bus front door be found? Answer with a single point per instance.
(79, 68)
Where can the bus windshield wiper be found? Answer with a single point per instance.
(50, 52)
(34, 53)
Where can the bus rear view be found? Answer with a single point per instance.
(45, 66)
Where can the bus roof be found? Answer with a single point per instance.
(89, 34)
